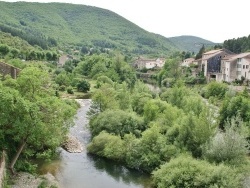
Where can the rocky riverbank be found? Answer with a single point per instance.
(26, 180)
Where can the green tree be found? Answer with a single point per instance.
(229, 145)
(185, 171)
(200, 53)
(83, 86)
(4, 50)
(31, 116)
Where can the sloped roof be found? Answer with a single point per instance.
(212, 52)
(236, 56)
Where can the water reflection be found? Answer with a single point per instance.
(121, 173)
(82, 170)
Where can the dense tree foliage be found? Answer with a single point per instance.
(94, 28)
(238, 45)
(201, 51)
(115, 68)
(32, 118)
(185, 171)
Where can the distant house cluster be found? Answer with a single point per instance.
(222, 65)
(142, 63)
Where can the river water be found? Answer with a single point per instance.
(82, 170)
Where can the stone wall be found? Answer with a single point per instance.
(2, 168)
(9, 69)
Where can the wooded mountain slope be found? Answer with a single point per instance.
(83, 26)
(190, 43)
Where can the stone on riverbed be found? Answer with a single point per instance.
(72, 145)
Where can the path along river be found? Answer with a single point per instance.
(82, 170)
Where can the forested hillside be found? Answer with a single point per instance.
(239, 45)
(190, 43)
(51, 24)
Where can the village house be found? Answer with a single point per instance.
(235, 67)
(142, 63)
(187, 62)
(211, 61)
(194, 64)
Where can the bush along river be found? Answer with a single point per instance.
(82, 170)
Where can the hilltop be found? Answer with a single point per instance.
(190, 43)
(50, 24)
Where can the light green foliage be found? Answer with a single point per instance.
(103, 80)
(229, 145)
(104, 98)
(63, 78)
(215, 89)
(140, 95)
(114, 68)
(108, 145)
(171, 69)
(30, 114)
(16, 63)
(154, 149)
(231, 107)
(185, 171)
(176, 95)
(123, 96)
(193, 132)
(33, 82)
(116, 121)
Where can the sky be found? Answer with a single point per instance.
(214, 20)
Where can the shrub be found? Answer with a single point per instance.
(228, 146)
(216, 89)
(70, 90)
(83, 86)
(185, 171)
(62, 88)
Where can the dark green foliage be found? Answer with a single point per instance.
(33, 38)
(4, 50)
(83, 86)
(201, 51)
(185, 171)
(70, 90)
(238, 45)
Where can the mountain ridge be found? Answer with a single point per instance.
(83, 25)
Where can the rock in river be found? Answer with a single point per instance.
(72, 145)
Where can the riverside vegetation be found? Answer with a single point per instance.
(174, 135)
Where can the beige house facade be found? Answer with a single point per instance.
(141, 63)
(211, 61)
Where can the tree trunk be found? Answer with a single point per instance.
(20, 149)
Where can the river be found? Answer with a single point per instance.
(82, 170)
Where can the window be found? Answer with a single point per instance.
(238, 72)
(247, 66)
(243, 66)
(238, 65)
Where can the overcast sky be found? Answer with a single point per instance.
(214, 20)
